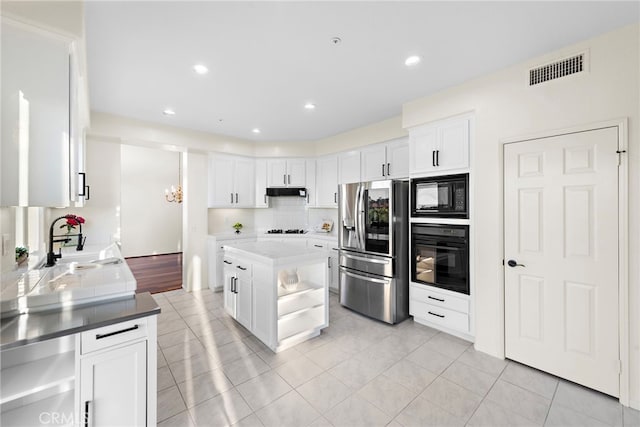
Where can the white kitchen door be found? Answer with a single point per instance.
(561, 229)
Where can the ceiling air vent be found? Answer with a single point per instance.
(555, 70)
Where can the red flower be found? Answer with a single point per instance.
(72, 221)
(80, 219)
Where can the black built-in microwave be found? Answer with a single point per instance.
(444, 196)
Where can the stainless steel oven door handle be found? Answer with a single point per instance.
(367, 278)
(372, 260)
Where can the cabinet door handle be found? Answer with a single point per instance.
(110, 334)
(335, 197)
(84, 183)
(289, 176)
(231, 194)
(437, 157)
(433, 158)
(329, 262)
(318, 246)
(242, 268)
(284, 177)
(86, 413)
(307, 196)
(388, 169)
(265, 199)
(235, 288)
(236, 197)
(435, 314)
(88, 190)
(434, 298)
(383, 169)
(225, 261)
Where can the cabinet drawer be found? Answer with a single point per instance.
(440, 316)
(426, 295)
(111, 335)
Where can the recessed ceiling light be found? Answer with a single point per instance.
(310, 106)
(169, 112)
(412, 60)
(256, 130)
(200, 69)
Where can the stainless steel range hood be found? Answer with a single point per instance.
(289, 191)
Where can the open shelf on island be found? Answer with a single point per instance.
(32, 377)
(302, 288)
(59, 406)
(306, 321)
(290, 307)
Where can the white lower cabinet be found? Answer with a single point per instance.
(113, 386)
(237, 290)
(101, 377)
(441, 310)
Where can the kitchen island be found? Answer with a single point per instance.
(278, 291)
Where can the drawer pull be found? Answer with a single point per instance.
(227, 262)
(318, 246)
(242, 268)
(100, 336)
(437, 315)
(437, 299)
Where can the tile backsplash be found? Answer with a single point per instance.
(283, 212)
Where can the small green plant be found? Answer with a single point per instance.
(237, 226)
(21, 251)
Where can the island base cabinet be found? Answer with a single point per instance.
(114, 386)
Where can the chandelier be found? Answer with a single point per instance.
(175, 195)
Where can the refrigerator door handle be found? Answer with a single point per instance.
(366, 278)
(360, 216)
(361, 258)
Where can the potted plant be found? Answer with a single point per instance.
(238, 227)
(22, 254)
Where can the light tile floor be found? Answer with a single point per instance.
(358, 372)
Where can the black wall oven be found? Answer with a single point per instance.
(440, 196)
(440, 256)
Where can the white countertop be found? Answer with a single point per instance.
(274, 253)
(219, 237)
(72, 279)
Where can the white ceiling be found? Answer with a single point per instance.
(266, 59)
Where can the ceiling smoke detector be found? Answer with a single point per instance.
(336, 40)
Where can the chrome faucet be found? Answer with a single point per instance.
(51, 256)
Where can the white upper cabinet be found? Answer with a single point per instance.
(35, 118)
(311, 186)
(262, 201)
(349, 167)
(286, 172)
(327, 182)
(231, 181)
(385, 161)
(440, 146)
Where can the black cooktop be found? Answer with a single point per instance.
(281, 231)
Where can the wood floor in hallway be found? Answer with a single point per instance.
(157, 273)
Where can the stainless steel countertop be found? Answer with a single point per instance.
(33, 327)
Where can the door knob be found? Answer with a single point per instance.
(514, 263)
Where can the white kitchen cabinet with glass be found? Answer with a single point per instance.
(440, 146)
(231, 181)
(286, 172)
(389, 160)
(43, 118)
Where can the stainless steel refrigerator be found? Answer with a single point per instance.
(374, 238)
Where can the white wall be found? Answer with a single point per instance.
(194, 226)
(505, 106)
(149, 224)
(7, 227)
